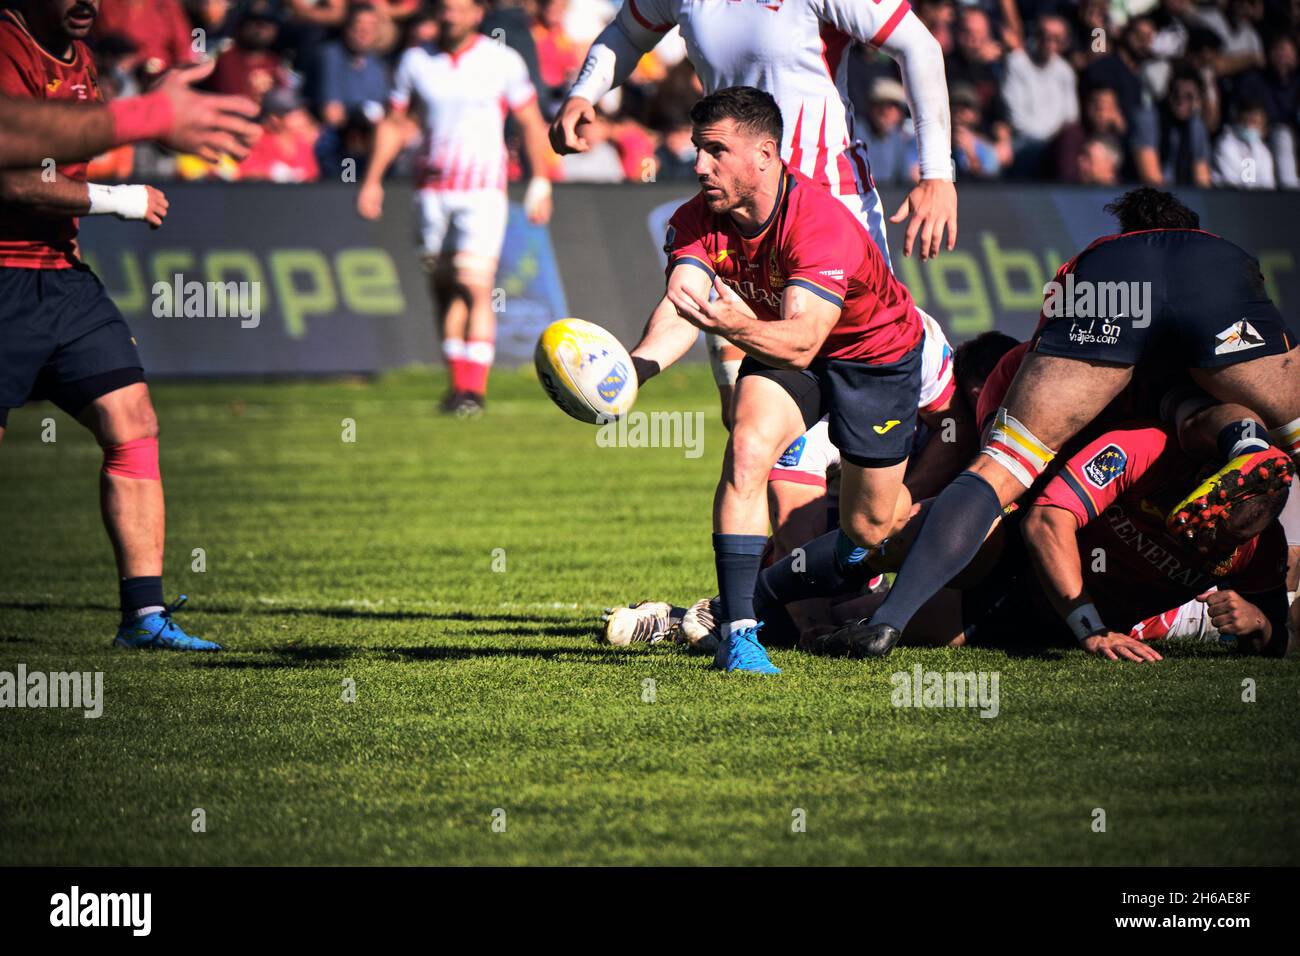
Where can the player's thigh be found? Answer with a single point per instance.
(1269, 386)
(1055, 397)
(766, 419)
(121, 415)
(476, 235)
(28, 334)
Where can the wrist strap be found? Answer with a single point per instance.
(1084, 622)
(137, 118)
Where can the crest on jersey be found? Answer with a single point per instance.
(775, 280)
(614, 382)
(1105, 466)
(790, 458)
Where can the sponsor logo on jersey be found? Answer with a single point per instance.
(53, 85)
(790, 458)
(1105, 466)
(1237, 338)
(614, 382)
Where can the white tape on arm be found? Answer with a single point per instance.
(125, 202)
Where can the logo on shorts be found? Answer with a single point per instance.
(881, 429)
(1105, 466)
(790, 458)
(1237, 338)
(613, 382)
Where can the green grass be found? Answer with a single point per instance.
(479, 689)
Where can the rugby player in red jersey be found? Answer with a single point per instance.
(1205, 313)
(826, 328)
(61, 336)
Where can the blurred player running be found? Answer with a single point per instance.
(466, 86)
(1209, 314)
(61, 336)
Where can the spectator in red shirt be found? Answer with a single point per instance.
(251, 67)
(286, 151)
(558, 57)
(159, 29)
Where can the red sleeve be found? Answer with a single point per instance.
(821, 252)
(998, 384)
(1107, 467)
(184, 51)
(687, 239)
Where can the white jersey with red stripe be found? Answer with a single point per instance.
(466, 96)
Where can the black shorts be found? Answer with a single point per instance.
(62, 339)
(872, 408)
(1168, 296)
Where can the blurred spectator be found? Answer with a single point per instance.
(976, 64)
(286, 151)
(938, 17)
(1092, 32)
(1099, 161)
(891, 146)
(216, 18)
(558, 56)
(1171, 145)
(1101, 119)
(1041, 93)
(353, 88)
(420, 29)
(675, 157)
(1278, 88)
(973, 151)
(636, 149)
(508, 20)
(159, 29)
(1234, 23)
(252, 67)
(601, 163)
(1121, 70)
(1242, 158)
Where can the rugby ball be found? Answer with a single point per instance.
(585, 370)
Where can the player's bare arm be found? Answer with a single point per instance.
(62, 196)
(668, 336)
(806, 320)
(537, 198)
(390, 134)
(1050, 534)
(610, 61)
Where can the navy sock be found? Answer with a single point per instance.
(828, 566)
(738, 558)
(1242, 438)
(135, 593)
(951, 536)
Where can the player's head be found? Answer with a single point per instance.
(72, 18)
(458, 20)
(1149, 208)
(1245, 521)
(973, 362)
(737, 132)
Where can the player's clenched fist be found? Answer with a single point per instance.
(1231, 613)
(370, 201)
(565, 136)
(1114, 646)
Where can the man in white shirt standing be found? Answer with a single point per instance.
(1040, 91)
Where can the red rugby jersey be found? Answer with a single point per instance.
(1119, 489)
(810, 240)
(29, 71)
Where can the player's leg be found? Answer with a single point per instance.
(766, 419)
(1050, 401)
(480, 229)
(436, 238)
(724, 359)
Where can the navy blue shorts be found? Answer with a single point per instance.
(1177, 297)
(872, 408)
(59, 330)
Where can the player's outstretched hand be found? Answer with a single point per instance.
(565, 138)
(206, 124)
(370, 200)
(157, 210)
(932, 204)
(1114, 646)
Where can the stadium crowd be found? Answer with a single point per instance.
(1162, 92)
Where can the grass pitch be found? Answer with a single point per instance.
(454, 570)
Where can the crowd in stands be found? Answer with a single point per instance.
(1165, 92)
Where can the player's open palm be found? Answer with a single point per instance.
(370, 201)
(156, 211)
(1114, 646)
(206, 124)
(565, 135)
(932, 206)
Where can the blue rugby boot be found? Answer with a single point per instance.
(742, 652)
(158, 631)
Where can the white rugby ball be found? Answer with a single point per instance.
(585, 370)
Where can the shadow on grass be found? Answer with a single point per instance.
(309, 655)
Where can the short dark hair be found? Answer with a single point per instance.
(753, 110)
(973, 361)
(1149, 208)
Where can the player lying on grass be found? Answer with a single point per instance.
(1096, 537)
(803, 498)
(1208, 313)
(773, 245)
(61, 336)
